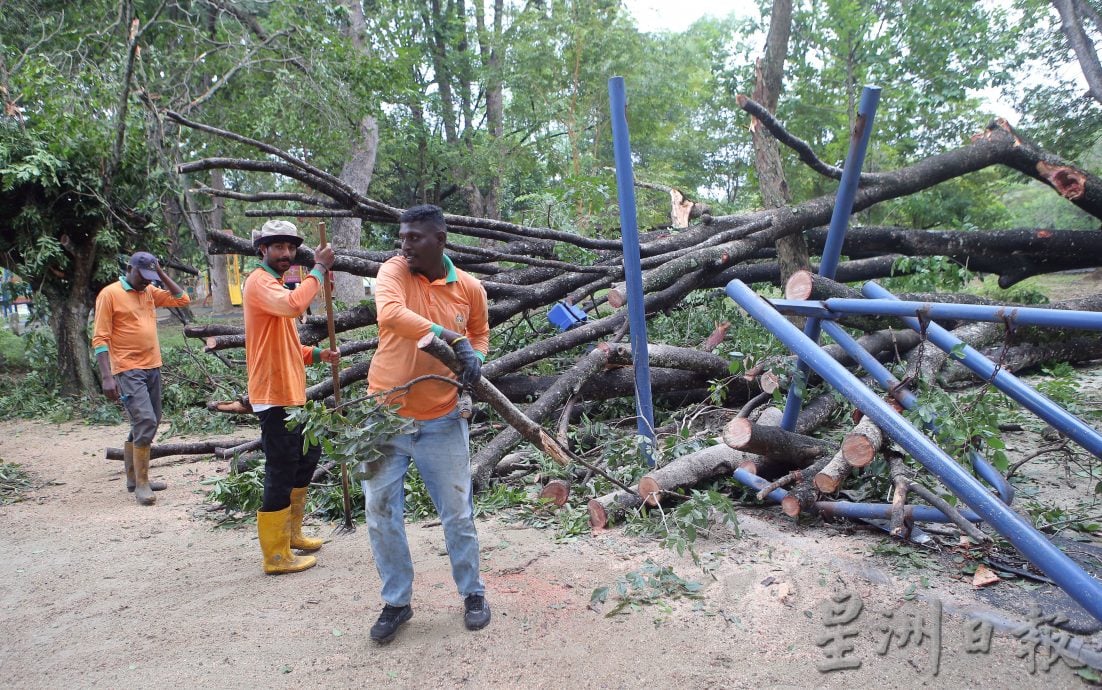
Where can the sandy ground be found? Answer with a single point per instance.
(96, 591)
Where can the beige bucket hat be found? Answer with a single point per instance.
(276, 231)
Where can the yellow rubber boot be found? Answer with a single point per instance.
(128, 463)
(143, 494)
(273, 528)
(298, 510)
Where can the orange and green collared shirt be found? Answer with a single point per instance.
(274, 355)
(409, 307)
(126, 324)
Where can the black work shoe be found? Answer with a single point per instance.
(476, 612)
(389, 621)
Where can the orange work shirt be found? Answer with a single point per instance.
(126, 324)
(409, 307)
(274, 355)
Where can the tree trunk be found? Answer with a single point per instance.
(1013, 255)
(1072, 26)
(69, 324)
(490, 50)
(217, 263)
(345, 232)
(791, 250)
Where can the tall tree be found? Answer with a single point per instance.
(75, 79)
(792, 254)
(74, 173)
(359, 168)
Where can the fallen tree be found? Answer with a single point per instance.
(555, 373)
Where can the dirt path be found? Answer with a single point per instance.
(96, 591)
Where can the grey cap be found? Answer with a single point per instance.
(146, 264)
(276, 231)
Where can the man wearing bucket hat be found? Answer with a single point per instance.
(419, 292)
(129, 356)
(276, 361)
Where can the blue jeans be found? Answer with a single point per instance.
(439, 449)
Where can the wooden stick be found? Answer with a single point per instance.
(532, 432)
(952, 513)
(899, 526)
(335, 367)
(167, 449)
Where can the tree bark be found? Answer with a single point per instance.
(619, 383)
(219, 265)
(689, 470)
(865, 435)
(220, 336)
(792, 254)
(1081, 45)
(70, 301)
(162, 450)
(1026, 356)
(345, 232)
(1013, 255)
(773, 443)
(611, 509)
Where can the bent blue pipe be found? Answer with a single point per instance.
(908, 400)
(834, 308)
(1075, 428)
(836, 234)
(854, 511)
(633, 271)
(1079, 585)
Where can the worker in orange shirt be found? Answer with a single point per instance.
(276, 359)
(419, 292)
(129, 356)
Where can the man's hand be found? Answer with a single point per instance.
(324, 256)
(110, 388)
(471, 370)
(166, 281)
(330, 356)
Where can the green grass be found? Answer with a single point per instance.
(1054, 286)
(12, 353)
(174, 337)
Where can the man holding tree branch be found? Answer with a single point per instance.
(276, 362)
(419, 292)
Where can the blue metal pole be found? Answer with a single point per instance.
(1016, 316)
(908, 400)
(836, 234)
(854, 511)
(633, 271)
(1075, 428)
(1055, 563)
